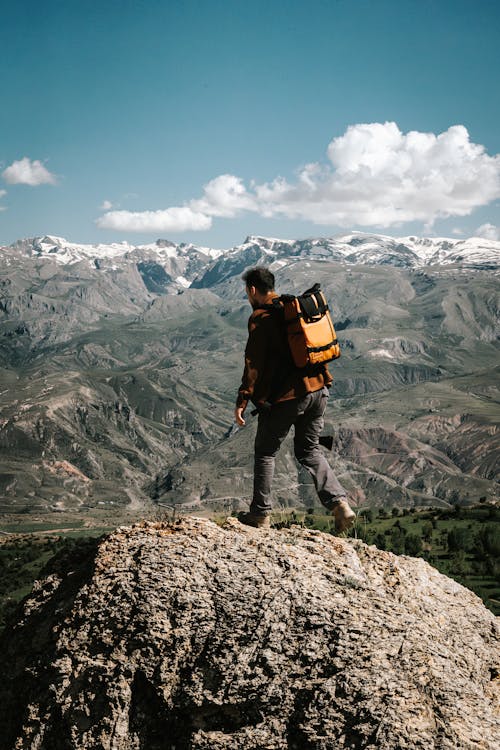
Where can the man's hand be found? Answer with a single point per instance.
(238, 415)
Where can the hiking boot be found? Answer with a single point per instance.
(343, 514)
(256, 520)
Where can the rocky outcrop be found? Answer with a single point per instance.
(192, 635)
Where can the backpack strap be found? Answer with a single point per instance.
(274, 305)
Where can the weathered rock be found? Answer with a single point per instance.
(199, 636)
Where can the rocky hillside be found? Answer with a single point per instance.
(109, 364)
(358, 248)
(198, 636)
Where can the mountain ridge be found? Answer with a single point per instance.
(355, 247)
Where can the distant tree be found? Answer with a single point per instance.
(443, 538)
(427, 529)
(458, 564)
(395, 511)
(368, 514)
(458, 539)
(370, 536)
(477, 567)
(413, 544)
(487, 541)
(380, 541)
(397, 525)
(397, 541)
(492, 566)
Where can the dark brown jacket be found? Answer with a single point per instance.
(269, 373)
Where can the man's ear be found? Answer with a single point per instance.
(251, 291)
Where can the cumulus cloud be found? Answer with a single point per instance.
(106, 206)
(374, 175)
(225, 195)
(379, 176)
(27, 172)
(2, 194)
(488, 232)
(175, 219)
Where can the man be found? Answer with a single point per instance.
(284, 396)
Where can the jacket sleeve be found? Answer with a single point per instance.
(255, 358)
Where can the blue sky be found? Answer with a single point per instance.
(208, 121)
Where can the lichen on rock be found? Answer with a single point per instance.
(191, 635)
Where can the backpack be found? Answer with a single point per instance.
(311, 336)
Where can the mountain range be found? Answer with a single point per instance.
(354, 248)
(119, 366)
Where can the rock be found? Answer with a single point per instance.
(191, 635)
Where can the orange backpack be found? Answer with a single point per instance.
(311, 335)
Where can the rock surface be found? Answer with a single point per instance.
(192, 635)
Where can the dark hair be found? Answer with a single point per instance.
(261, 278)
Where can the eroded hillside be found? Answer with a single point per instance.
(133, 385)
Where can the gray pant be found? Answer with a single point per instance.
(307, 416)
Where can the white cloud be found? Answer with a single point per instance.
(457, 231)
(374, 175)
(2, 194)
(175, 219)
(488, 232)
(225, 195)
(106, 206)
(27, 172)
(379, 176)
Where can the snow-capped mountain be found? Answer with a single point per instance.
(166, 265)
(355, 248)
(62, 251)
(162, 264)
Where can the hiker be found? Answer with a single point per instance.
(284, 396)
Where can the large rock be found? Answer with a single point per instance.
(199, 636)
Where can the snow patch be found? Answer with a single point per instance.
(385, 353)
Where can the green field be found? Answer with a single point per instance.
(26, 550)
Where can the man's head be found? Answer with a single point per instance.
(259, 284)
